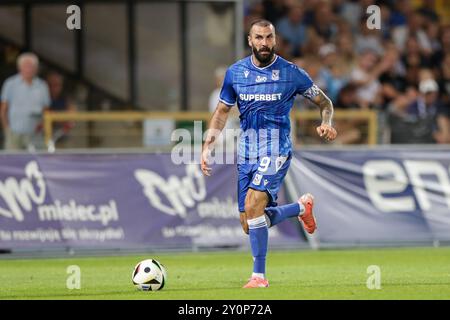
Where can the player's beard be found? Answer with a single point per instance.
(263, 59)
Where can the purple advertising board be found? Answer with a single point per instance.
(377, 195)
(130, 200)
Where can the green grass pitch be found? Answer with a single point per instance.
(406, 273)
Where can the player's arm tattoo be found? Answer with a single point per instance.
(218, 120)
(325, 105)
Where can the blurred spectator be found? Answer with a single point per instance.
(360, 68)
(8, 56)
(312, 65)
(312, 46)
(350, 130)
(428, 10)
(292, 29)
(368, 39)
(444, 82)
(399, 15)
(219, 75)
(332, 74)
(414, 29)
(24, 97)
(352, 11)
(365, 76)
(385, 21)
(233, 120)
(275, 10)
(255, 12)
(342, 28)
(444, 38)
(310, 7)
(324, 24)
(348, 98)
(414, 61)
(393, 79)
(346, 51)
(432, 30)
(424, 120)
(59, 102)
(284, 48)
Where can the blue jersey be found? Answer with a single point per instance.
(265, 97)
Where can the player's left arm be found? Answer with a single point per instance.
(325, 130)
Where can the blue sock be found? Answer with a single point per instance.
(281, 213)
(259, 238)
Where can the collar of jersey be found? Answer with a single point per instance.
(251, 60)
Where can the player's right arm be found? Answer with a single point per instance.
(218, 120)
(325, 130)
(216, 125)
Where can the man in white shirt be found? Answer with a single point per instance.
(24, 97)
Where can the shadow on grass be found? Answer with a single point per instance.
(108, 293)
(61, 295)
(140, 294)
(383, 284)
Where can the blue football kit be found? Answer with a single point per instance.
(264, 96)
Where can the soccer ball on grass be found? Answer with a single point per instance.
(149, 275)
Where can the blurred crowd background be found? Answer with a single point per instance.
(401, 71)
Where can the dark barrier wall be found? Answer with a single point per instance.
(121, 201)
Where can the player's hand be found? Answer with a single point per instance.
(327, 132)
(244, 224)
(204, 162)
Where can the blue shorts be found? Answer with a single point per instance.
(266, 175)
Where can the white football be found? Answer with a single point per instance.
(149, 275)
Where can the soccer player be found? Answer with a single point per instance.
(264, 86)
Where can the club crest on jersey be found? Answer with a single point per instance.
(257, 179)
(275, 75)
(246, 73)
(261, 79)
(279, 162)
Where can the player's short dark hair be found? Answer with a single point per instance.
(260, 23)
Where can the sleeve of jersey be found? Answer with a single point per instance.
(227, 94)
(305, 85)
